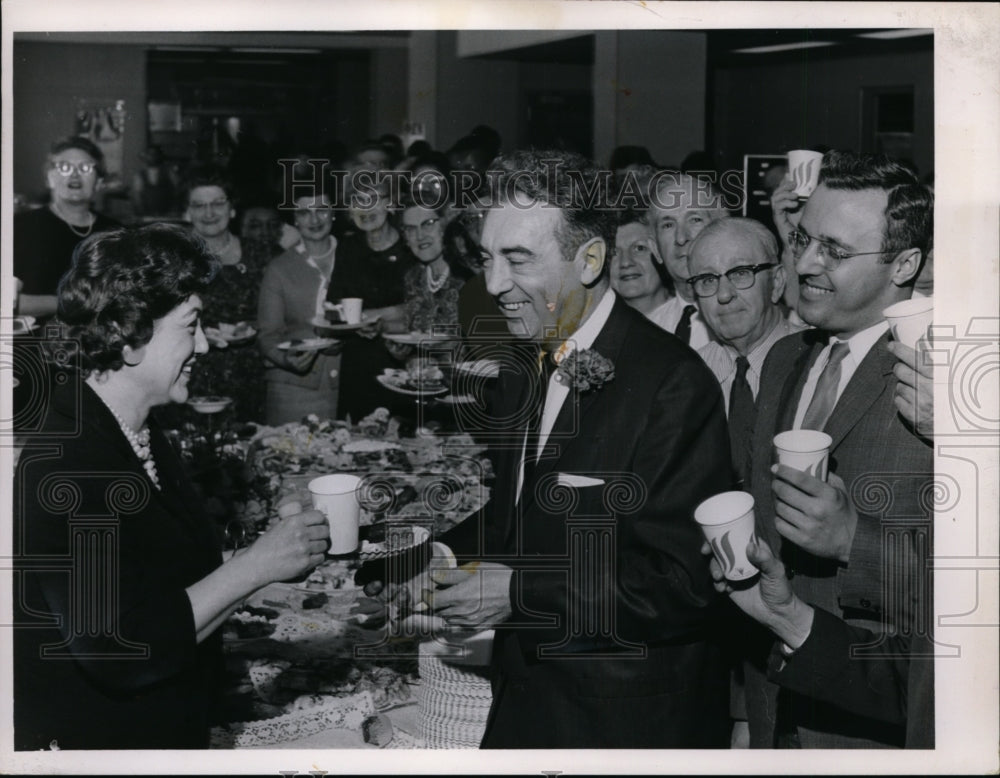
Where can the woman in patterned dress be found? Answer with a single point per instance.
(232, 371)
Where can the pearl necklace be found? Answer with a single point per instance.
(139, 441)
(72, 227)
(435, 285)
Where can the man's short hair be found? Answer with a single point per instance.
(705, 193)
(747, 230)
(909, 213)
(563, 180)
(83, 144)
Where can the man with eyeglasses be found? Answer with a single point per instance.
(855, 547)
(737, 279)
(44, 238)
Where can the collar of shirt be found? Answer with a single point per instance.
(860, 343)
(556, 392)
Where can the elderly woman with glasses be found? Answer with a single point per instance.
(228, 370)
(44, 238)
(120, 647)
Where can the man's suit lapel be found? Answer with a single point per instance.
(791, 390)
(564, 438)
(861, 392)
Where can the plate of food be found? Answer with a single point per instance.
(481, 368)
(326, 327)
(426, 380)
(307, 344)
(209, 403)
(238, 334)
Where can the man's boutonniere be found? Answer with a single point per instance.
(585, 370)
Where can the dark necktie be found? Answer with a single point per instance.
(683, 330)
(825, 397)
(545, 369)
(742, 414)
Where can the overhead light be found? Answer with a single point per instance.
(187, 48)
(888, 35)
(272, 50)
(784, 47)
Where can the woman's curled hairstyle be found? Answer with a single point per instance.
(121, 282)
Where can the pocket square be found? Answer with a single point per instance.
(577, 481)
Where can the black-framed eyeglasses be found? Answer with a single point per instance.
(742, 277)
(413, 229)
(830, 256)
(66, 168)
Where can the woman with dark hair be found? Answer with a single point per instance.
(44, 238)
(231, 298)
(120, 645)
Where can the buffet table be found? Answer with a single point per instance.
(312, 663)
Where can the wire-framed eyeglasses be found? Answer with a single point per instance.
(829, 254)
(742, 277)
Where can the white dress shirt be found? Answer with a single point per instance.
(668, 316)
(557, 391)
(324, 284)
(721, 358)
(860, 344)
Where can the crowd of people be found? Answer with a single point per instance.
(702, 335)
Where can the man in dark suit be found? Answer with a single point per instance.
(588, 559)
(857, 545)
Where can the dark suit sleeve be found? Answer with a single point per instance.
(678, 451)
(874, 685)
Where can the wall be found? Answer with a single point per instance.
(471, 92)
(773, 108)
(649, 90)
(48, 79)
(388, 90)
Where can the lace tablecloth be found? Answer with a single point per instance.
(304, 668)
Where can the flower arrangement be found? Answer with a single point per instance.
(585, 370)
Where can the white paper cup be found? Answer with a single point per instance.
(909, 319)
(804, 167)
(336, 496)
(728, 523)
(805, 450)
(349, 309)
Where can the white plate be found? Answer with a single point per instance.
(487, 368)
(416, 338)
(322, 326)
(307, 344)
(24, 324)
(209, 404)
(458, 399)
(394, 386)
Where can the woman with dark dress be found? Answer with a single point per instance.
(373, 262)
(121, 586)
(232, 371)
(44, 238)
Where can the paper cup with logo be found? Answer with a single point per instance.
(805, 450)
(337, 497)
(803, 166)
(728, 523)
(909, 319)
